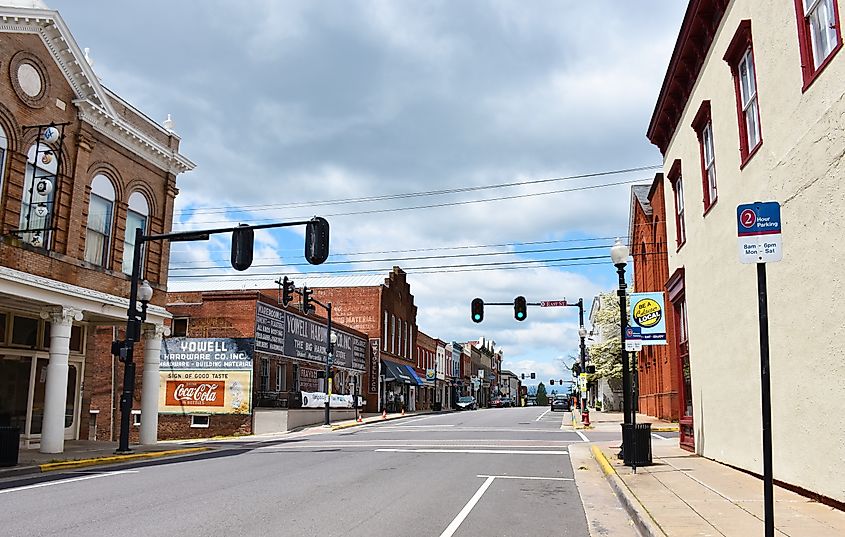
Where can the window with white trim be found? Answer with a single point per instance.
(709, 163)
(748, 99)
(200, 421)
(821, 19)
(136, 218)
(100, 216)
(4, 146)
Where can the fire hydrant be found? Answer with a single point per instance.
(585, 416)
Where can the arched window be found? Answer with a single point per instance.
(100, 214)
(38, 193)
(136, 218)
(4, 146)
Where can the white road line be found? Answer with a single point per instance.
(529, 477)
(543, 414)
(660, 437)
(453, 526)
(419, 426)
(63, 481)
(582, 435)
(477, 451)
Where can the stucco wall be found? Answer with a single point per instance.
(800, 165)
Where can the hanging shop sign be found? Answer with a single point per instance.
(375, 360)
(648, 314)
(206, 375)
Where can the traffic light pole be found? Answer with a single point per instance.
(329, 360)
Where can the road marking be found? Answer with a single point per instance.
(63, 481)
(660, 437)
(456, 522)
(419, 426)
(582, 435)
(433, 428)
(477, 451)
(543, 414)
(529, 477)
(419, 419)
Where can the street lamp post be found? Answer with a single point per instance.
(619, 254)
(582, 333)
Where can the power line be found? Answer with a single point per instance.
(449, 204)
(384, 197)
(397, 259)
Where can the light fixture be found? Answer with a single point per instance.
(619, 253)
(582, 332)
(333, 337)
(145, 292)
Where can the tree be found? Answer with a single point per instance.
(542, 399)
(606, 354)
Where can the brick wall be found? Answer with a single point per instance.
(658, 366)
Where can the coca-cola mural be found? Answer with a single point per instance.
(206, 375)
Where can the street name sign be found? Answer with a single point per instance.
(759, 232)
(553, 303)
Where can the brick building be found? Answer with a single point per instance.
(658, 366)
(286, 352)
(426, 353)
(80, 170)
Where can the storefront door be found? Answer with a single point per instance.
(23, 380)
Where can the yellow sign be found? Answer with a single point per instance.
(647, 313)
(205, 392)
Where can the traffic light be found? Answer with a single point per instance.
(523, 376)
(576, 370)
(287, 291)
(552, 382)
(477, 310)
(519, 308)
(591, 369)
(306, 300)
(119, 349)
(560, 382)
(317, 240)
(533, 376)
(242, 243)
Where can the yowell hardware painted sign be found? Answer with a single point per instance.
(206, 375)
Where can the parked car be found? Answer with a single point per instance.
(507, 402)
(467, 402)
(560, 402)
(496, 403)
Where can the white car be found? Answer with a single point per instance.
(467, 403)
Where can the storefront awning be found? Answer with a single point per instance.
(394, 372)
(417, 379)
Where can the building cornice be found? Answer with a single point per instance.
(701, 21)
(92, 99)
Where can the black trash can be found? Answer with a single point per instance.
(437, 407)
(640, 432)
(10, 439)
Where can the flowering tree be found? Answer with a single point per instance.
(605, 354)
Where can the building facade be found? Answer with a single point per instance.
(80, 170)
(750, 110)
(658, 378)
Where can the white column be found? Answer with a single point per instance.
(150, 384)
(55, 394)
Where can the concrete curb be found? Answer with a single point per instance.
(113, 459)
(639, 515)
(664, 429)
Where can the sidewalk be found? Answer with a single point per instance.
(612, 420)
(683, 494)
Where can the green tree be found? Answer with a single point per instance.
(606, 354)
(542, 399)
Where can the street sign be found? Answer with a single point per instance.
(553, 303)
(648, 318)
(758, 229)
(633, 339)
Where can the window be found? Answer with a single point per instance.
(401, 333)
(740, 57)
(264, 377)
(136, 218)
(200, 421)
(281, 371)
(136, 418)
(703, 125)
(38, 194)
(392, 334)
(384, 346)
(4, 146)
(180, 327)
(678, 188)
(818, 34)
(24, 331)
(100, 211)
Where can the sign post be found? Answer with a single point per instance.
(759, 233)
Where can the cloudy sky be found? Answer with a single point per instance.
(282, 104)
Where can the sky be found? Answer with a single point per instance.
(283, 103)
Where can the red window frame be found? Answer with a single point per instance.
(700, 123)
(737, 49)
(675, 178)
(809, 71)
(676, 291)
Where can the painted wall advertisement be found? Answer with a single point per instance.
(206, 376)
(648, 314)
(282, 333)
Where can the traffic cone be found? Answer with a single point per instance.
(360, 419)
(403, 411)
(384, 414)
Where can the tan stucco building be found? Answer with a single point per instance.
(752, 109)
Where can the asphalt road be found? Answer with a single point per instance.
(497, 472)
